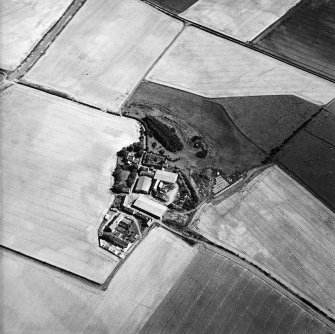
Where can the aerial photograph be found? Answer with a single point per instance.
(167, 167)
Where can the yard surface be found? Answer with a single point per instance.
(57, 161)
(268, 120)
(307, 37)
(210, 66)
(241, 19)
(280, 226)
(92, 63)
(310, 156)
(37, 299)
(217, 295)
(19, 35)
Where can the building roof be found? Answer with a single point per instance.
(152, 207)
(166, 176)
(143, 184)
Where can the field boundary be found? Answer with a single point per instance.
(234, 40)
(244, 261)
(45, 42)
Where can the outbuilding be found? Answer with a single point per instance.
(165, 176)
(143, 185)
(150, 207)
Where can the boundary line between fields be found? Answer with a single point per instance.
(45, 42)
(234, 40)
(199, 239)
(152, 66)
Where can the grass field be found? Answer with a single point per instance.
(194, 115)
(210, 66)
(307, 37)
(268, 120)
(91, 62)
(241, 19)
(280, 226)
(57, 160)
(217, 295)
(38, 300)
(23, 24)
(310, 155)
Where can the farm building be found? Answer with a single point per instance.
(166, 176)
(143, 185)
(150, 207)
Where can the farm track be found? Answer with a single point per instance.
(46, 41)
(234, 40)
(258, 271)
(38, 51)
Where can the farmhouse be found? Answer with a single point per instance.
(143, 184)
(150, 207)
(166, 176)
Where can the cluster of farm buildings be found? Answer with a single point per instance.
(122, 227)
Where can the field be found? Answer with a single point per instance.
(331, 107)
(306, 37)
(175, 6)
(193, 115)
(277, 224)
(241, 19)
(210, 66)
(57, 160)
(310, 155)
(90, 62)
(217, 295)
(39, 300)
(20, 35)
(268, 120)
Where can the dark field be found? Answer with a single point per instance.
(192, 115)
(307, 37)
(331, 106)
(216, 295)
(310, 155)
(176, 6)
(268, 120)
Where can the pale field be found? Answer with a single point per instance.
(241, 19)
(105, 51)
(23, 24)
(57, 160)
(210, 66)
(280, 226)
(38, 300)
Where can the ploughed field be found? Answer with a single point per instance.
(241, 19)
(92, 63)
(310, 156)
(165, 286)
(276, 223)
(23, 24)
(216, 295)
(211, 66)
(192, 115)
(57, 161)
(306, 36)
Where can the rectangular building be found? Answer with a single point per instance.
(165, 176)
(150, 207)
(143, 185)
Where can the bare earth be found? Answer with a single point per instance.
(133, 295)
(105, 51)
(279, 225)
(57, 160)
(23, 24)
(210, 66)
(241, 19)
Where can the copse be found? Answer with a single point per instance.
(164, 134)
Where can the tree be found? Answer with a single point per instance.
(117, 174)
(130, 148)
(161, 151)
(122, 154)
(154, 144)
(202, 154)
(138, 146)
